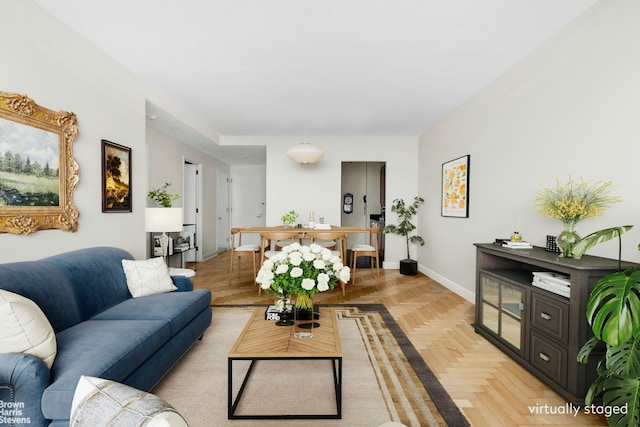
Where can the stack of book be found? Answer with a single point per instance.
(553, 282)
(516, 245)
(273, 313)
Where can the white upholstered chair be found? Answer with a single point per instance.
(238, 250)
(368, 250)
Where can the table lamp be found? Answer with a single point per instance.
(163, 220)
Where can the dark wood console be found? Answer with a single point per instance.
(541, 330)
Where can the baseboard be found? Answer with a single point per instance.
(453, 286)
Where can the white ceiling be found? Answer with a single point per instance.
(336, 67)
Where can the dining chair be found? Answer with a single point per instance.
(239, 250)
(368, 250)
(338, 238)
(280, 238)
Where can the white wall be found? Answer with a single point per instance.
(44, 60)
(569, 108)
(248, 207)
(317, 187)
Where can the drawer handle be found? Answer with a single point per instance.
(545, 316)
(544, 357)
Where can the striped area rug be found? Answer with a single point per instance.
(384, 378)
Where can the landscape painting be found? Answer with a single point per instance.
(116, 177)
(29, 165)
(38, 173)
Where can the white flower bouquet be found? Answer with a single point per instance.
(302, 271)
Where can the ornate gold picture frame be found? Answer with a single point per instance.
(38, 172)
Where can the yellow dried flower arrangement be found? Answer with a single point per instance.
(574, 201)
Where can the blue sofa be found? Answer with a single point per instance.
(100, 329)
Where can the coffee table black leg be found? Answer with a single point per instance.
(233, 404)
(337, 381)
(336, 364)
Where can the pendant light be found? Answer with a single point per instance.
(305, 153)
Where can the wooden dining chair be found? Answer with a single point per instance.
(339, 238)
(280, 239)
(368, 250)
(239, 250)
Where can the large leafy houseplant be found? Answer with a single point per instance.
(613, 312)
(405, 228)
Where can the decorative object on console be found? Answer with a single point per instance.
(613, 312)
(572, 202)
(116, 177)
(552, 246)
(455, 187)
(404, 228)
(100, 402)
(38, 194)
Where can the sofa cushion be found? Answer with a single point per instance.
(147, 277)
(96, 277)
(25, 329)
(106, 349)
(177, 308)
(47, 286)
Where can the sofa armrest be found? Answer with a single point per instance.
(23, 378)
(183, 283)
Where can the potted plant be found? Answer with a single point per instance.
(572, 202)
(289, 219)
(404, 228)
(613, 312)
(162, 197)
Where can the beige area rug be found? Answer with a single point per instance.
(379, 382)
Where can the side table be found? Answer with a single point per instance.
(186, 272)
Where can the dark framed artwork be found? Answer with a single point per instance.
(38, 172)
(455, 187)
(116, 177)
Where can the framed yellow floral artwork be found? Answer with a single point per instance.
(455, 187)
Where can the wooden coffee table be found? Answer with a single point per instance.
(263, 340)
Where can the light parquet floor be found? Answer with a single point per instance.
(489, 387)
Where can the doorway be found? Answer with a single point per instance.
(222, 225)
(191, 204)
(363, 184)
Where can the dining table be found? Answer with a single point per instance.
(303, 230)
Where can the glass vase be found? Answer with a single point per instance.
(304, 317)
(567, 239)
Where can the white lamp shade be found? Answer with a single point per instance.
(163, 219)
(305, 153)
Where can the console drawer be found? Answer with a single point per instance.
(549, 358)
(550, 316)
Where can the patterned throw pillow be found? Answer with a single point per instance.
(25, 328)
(100, 402)
(147, 277)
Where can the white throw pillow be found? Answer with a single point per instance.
(25, 328)
(147, 277)
(100, 402)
